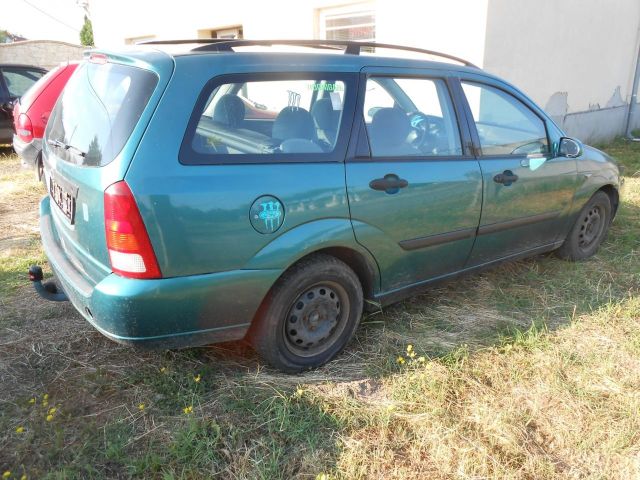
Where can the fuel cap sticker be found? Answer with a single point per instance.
(266, 214)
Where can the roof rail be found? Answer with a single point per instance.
(350, 47)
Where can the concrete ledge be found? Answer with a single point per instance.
(597, 126)
(41, 53)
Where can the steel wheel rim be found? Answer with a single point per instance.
(591, 227)
(316, 319)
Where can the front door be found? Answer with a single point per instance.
(6, 114)
(15, 82)
(527, 191)
(415, 193)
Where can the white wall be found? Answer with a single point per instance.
(585, 48)
(280, 19)
(456, 27)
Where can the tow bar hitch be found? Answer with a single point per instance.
(48, 290)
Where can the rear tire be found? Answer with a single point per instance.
(590, 229)
(309, 316)
(39, 169)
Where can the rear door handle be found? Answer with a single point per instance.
(390, 184)
(506, 178)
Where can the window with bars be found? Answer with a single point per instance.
(357, 22)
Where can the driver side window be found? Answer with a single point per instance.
(505, 125)
(414, 117)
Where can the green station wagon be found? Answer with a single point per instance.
(267, 189)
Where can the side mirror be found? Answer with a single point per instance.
(569, 148)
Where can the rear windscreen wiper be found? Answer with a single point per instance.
(59, 144)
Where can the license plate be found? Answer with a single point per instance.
(64, 199)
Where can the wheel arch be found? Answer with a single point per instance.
(614, 197)
(356, 261)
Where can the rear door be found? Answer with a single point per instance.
(88, 145)
(415, 190)
(527, 191)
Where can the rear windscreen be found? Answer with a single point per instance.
(97, 112)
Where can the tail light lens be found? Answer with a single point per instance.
(130, 251)
(24, 128)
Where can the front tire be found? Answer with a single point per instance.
(309, 316)
(590, 229)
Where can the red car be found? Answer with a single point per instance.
(31, 112)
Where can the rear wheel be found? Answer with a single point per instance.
(309, 315)
(590, 229)
(39, 169)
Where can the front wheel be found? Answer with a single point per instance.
(590, 229)
(309, 315)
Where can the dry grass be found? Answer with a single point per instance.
(530, 372)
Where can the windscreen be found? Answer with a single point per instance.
(97, 112)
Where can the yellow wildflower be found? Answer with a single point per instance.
(409, 348)
(188, 410)
(197, 378)
(32, 401)
(400, 360)
(141, 406)
(6, 474)
(299, 391)
(23, 477)
(412, 354)
(163, 369)
(52, 410)
(49, 417)
(422, 359)
(45, 396)
(20, 429)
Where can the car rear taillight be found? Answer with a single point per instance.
(24, 128)
(130, 250)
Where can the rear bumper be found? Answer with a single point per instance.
(28, 151)
(165, 313)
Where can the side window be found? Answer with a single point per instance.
(19, 80)
(419, 121)
(270, 117)
(505, 125)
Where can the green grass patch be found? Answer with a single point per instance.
(525, 371)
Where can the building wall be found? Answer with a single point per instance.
(273, 19)
(575, 58)
(456, 27)
(42, 53)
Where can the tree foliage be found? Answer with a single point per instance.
(86, 34)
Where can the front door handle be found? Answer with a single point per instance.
(390, 184)
(506, 178)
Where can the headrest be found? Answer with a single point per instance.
(229, 110)
(293, 122)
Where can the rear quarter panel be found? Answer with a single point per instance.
(197, 216)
